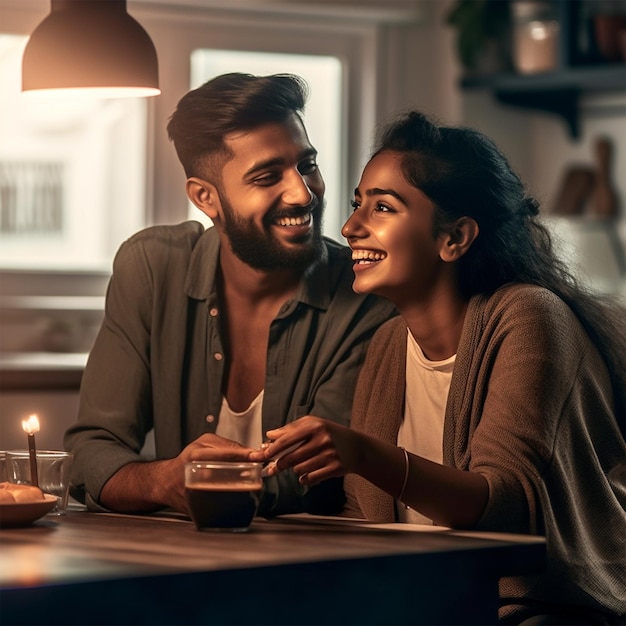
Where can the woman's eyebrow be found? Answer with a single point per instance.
(378, 191)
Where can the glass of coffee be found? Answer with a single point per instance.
(223, 495)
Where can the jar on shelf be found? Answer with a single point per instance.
(535, 37)
(609, 28)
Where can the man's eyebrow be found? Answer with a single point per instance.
(309, 152)
(262, 165)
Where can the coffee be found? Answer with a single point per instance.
(215, 506)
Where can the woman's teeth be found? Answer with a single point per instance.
(294, 221)
(367, 256)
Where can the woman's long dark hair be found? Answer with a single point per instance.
(464, 173)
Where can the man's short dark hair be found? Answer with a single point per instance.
(225, 104)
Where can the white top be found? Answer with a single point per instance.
(421, 431)
(246, 427)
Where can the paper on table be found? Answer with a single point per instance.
(352, 521)
(401, 527)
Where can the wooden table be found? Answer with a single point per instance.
(87, 568)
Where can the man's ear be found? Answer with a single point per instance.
(458, 239)
(204, 195)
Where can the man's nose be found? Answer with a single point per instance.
(297, 192)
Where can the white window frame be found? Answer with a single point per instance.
(177, 33)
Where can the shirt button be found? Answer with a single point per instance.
(218, 356)
(210, 418)
(213, 312)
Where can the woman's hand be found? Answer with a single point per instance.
(316, 449)
(448, 496)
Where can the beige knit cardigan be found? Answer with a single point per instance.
(531, 408)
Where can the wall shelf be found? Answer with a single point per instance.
(556, 92)
(41, 371)
(579, 72)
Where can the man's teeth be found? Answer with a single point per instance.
(367, 256)
(294, 221)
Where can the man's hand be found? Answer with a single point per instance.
(210, 447)
(143, 487)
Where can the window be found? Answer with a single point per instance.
(72, 174)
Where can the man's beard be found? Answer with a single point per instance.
(259, 249)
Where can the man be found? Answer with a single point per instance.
(213, 337)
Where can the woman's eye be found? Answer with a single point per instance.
(383, 208)
(354, 204)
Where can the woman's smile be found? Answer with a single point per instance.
(366, 259)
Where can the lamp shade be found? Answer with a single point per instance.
(91, 45)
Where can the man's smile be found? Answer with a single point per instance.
(301, 220)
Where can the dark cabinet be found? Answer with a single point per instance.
(590, 58)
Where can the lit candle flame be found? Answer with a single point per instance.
(31, 425)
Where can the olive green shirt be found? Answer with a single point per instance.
(159, 359)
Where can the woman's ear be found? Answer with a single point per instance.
(204, 195)
(458, 239)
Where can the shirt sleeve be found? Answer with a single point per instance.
(115, 410)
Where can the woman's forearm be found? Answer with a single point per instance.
(446, 495)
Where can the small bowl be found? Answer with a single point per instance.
(13, 514)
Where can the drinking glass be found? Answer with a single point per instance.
(223, 495)
(53, 472)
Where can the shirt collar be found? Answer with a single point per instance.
(200, 284)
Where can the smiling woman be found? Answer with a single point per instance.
(391, 234)
(499, 376)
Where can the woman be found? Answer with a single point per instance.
(495, 400)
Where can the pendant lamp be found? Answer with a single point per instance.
(90, 46)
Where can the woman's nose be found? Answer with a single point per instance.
(352, 227)
(297, 192)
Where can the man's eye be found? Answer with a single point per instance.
(307, 167)
(267, 179)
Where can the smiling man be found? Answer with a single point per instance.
(210, 338)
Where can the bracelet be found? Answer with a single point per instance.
(406, 473)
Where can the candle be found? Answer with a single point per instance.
(31, 426)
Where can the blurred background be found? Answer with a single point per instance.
(546, 80)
